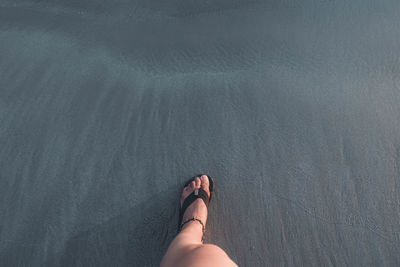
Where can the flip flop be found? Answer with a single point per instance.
(198, 193)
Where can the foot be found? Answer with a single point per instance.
(198, 208)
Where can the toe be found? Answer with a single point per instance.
(204, 180)
(205, 183)
(189, 188)
(197, 183)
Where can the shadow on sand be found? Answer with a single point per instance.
(138, 237)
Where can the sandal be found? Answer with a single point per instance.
(197, 193)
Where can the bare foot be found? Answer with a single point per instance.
(198, 208)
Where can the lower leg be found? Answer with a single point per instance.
(187, 248)
(188, 240)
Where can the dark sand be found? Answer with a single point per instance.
(107, 107)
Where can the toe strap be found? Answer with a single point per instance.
(198, 193)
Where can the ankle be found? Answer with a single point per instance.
(193, 219)
(194, 227)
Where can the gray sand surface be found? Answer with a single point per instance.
(107, 107)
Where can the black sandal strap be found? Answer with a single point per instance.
(198, 193)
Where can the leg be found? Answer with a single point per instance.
(187, 248)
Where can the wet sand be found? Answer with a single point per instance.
(107, 107)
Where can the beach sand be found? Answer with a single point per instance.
(107, 107)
